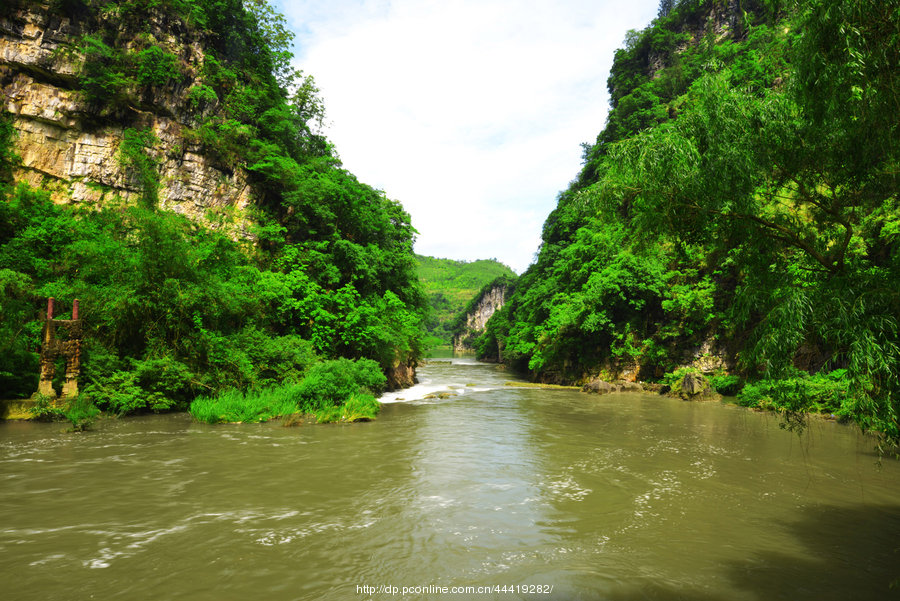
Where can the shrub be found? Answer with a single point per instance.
(136, 156)
(165, 376)
(331, 383)
(120, 393)
(80, 411)
(155, 66)
(44, 410)
(725, 384)
(820, 393)
(276, 359)
(200, 96)
(19, 365)
(672, 377)
(103, 76)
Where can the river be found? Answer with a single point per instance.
(619, 497)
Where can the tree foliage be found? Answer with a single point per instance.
(745, 190)
(175, 310)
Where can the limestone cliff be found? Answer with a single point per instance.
(473, 321)
(71, 146)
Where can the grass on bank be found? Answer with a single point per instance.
(79, 411)
(341, 390)
(281, 401)
(251, 406)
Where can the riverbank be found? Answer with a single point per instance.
(338, 390)
(539, 386)
(333, 394)
(796, 399)
(16, 408)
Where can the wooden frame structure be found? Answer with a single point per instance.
(54, 347)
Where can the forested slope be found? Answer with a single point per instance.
(286, 261)
(738, 214)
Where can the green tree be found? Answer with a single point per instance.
(793, 177)
(744, 190)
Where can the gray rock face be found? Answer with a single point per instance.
(631, 387)
(693, 384)
(598, 386)
(489, 303)
(401, 375)
(66, 152)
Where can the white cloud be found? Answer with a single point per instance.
(469, 112)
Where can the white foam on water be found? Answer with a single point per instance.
(429, 385)
(416, 392)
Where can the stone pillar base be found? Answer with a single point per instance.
(45, 387)
(70, 388)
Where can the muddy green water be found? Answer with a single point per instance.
(619, 497)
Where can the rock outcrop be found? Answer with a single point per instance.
(67, 149)
(401, 375)
(489, 301)
(693, 386)
(598, 386)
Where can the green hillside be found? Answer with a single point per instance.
(449, 286)
(314, 306)
(740, 209)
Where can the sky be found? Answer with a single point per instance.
(471, 113)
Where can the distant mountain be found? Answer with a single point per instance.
(449, 286)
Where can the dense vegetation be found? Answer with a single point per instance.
(743, 197)
(450, 286)
(175, 310)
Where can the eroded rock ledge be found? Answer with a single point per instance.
(490, 301)
(692, 386)
(67, 150)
